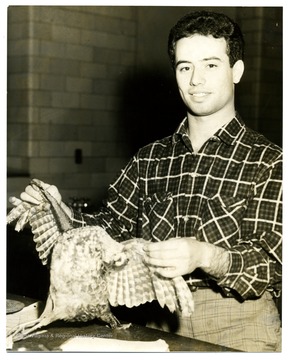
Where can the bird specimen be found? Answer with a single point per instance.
(89, 271)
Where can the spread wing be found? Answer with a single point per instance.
(135, 283)
(42, 222)
(132, 283)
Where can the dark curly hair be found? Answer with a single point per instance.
(208, 23)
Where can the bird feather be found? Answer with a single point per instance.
(90, 271)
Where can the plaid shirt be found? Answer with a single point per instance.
(228, 194)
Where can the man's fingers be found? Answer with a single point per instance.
(40, 183)
(35, 199)
(159, 262)
(167, 272)
(14, 201)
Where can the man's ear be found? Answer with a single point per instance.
(238, 70)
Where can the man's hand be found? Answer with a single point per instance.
(33, 196)
(180, 256)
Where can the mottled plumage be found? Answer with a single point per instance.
(89, 271)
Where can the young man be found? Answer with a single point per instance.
(208, 197)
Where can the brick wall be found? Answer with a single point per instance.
(66, 66)
(259, 94)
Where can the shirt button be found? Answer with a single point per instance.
(214, 138)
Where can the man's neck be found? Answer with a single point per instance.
(202, 128)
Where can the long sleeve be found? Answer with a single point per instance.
(256, 259)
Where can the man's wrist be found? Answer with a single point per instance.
(215, 260)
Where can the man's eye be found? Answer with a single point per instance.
(211, 66)
(184, 68)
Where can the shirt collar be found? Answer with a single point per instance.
(228, 133)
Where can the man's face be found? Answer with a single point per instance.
(204, 76)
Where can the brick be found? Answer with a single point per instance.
(105, 40)
(18, 98)
(80, 85)
(107, 56)
(110, 149)
(17, 166)
(79, 52)
(52, 82)
(40, 98)
(18, 14)
(17, 64)
(59, 132)
(105, 86)
(18, 31)
(33, 148)
(129, 27)
(65, 34)
(92, 101)
(54, 15)
(114, 25)
(52, 49)
(93, 70)
(39, 165)
(65, 100)
(123, 12)
(62, 165)
(20, 47)
(79, 182)
(65, 116)
(39, 64)
(21, 114)
(52, 149)
(64, 67)
(23, 81)
(104, 118)
(86, 133)
(91, 164)
(40, 31)
(17, 147)
(39, 132)
(17, 131)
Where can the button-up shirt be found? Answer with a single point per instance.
(229, 194)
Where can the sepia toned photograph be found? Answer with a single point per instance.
(144, 176)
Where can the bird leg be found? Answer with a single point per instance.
(22, 331)
(114, 322)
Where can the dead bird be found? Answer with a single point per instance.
(89, 271)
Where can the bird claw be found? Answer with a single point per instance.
(16, 334)
(125, 326)
(120, 326)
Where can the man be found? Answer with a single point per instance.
(208, 197)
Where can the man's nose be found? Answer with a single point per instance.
(197, 77)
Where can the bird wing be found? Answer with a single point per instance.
(135, 283)
(42, 222)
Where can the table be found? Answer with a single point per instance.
(59, 332)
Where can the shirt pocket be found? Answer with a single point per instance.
(158, 224)
(221, 219)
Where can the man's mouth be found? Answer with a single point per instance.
(200, 94)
